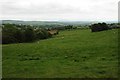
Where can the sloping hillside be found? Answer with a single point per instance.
(75, 53)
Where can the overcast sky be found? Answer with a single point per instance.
(73, 10)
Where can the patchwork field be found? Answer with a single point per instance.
(70, 54)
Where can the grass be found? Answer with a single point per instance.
(71, 54)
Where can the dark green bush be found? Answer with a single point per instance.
(12, 33)
(99, 27)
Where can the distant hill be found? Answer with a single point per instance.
(51, 23)
(47, 22)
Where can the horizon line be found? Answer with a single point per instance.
(63, 20)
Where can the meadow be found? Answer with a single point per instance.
(70, 54)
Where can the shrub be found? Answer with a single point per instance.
(15, 34)
(99, 27)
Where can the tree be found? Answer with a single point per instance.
(12, 33)
(29, 34)
(99, 27)
(69, 27)
(8, 32)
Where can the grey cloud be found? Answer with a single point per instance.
(94, 9)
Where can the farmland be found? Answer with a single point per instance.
(70, 54)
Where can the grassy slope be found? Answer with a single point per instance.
(77, 53)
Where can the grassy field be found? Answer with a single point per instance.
(71, 54)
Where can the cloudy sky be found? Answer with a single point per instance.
(72, 10)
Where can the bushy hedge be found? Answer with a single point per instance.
(21, 33)
(99, 27)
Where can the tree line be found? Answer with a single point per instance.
(12, 33)
(18, 33)
(103, 26)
